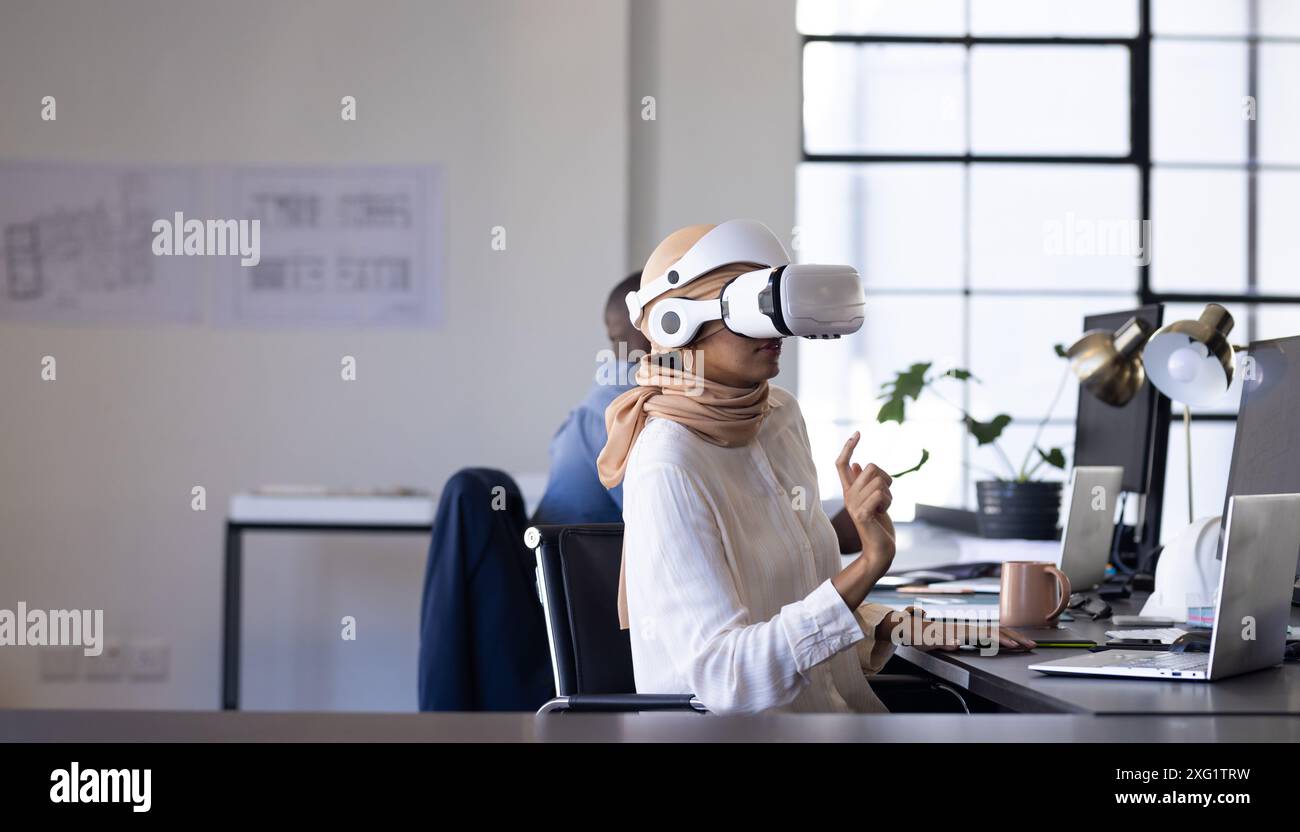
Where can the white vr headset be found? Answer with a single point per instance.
(778, 300)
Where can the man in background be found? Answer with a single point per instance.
(482, 635)
(574, 493)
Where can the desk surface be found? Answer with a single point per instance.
(230, 726)
(1006, 679)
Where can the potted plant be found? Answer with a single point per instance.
(1015, 504)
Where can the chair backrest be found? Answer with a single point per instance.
(577, 578)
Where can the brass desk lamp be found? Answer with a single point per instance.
(1189, 361)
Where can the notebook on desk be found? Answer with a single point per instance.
(973, 607)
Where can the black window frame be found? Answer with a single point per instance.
(1139, 48)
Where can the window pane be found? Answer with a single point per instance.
(1279, 18)
(1279, 242)
(1055, 227)
(883, 99)
(1049, 100)
(839, 388)
(1211, 456)
(1199, 230)
(899, 225)
(1239, 335)
(840, 380)
(1279, 111)
(895, 448)
(1199, 17)
(1012, 340)
(1114, 18)
(881, 17)
(1198, 102)
(1275, 320)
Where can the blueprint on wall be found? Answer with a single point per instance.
(77, 244)
(343, 245)
(353, 246)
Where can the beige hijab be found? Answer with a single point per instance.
(721, 415)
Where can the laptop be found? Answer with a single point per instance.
(1090, 524)
(1261, 539)
(1082, 555)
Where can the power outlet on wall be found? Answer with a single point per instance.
(60, 664)
(108, 666)
(150, 660)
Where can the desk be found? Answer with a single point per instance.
(300, 513)
(318, 514)
(226, 726)
(232, 608)
(1006, 680)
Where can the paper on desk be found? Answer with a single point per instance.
(989, 550)
(942, 607)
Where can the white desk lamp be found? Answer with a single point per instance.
(1189, 361)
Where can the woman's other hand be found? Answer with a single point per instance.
(913, 629)
(867, 500)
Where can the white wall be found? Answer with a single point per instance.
(522, 103)
(725, 140)
(532, 107)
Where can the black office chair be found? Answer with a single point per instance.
(577, 579)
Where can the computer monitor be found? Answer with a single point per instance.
(1266, 449)
(1135, 436)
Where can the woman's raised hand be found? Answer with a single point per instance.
(867, 500)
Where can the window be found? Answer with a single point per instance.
(990, 166)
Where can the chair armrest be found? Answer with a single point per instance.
(623, 703)
(536, 535)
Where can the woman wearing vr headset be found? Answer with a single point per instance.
(732, 585)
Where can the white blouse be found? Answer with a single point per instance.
(728, 559)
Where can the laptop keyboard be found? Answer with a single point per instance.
(1169, 661)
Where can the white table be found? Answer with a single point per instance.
(316, 514)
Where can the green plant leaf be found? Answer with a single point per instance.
(925, 457)
(960, 374)
(909, 382)
(891, 411)
(1060, 350)
(986, 432)
(1054, 457)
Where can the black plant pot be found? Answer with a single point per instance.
(1025, 510)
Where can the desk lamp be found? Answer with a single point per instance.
(1189, 361)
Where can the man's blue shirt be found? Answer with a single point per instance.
(574, 493)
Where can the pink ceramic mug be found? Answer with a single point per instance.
(1034, 593)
